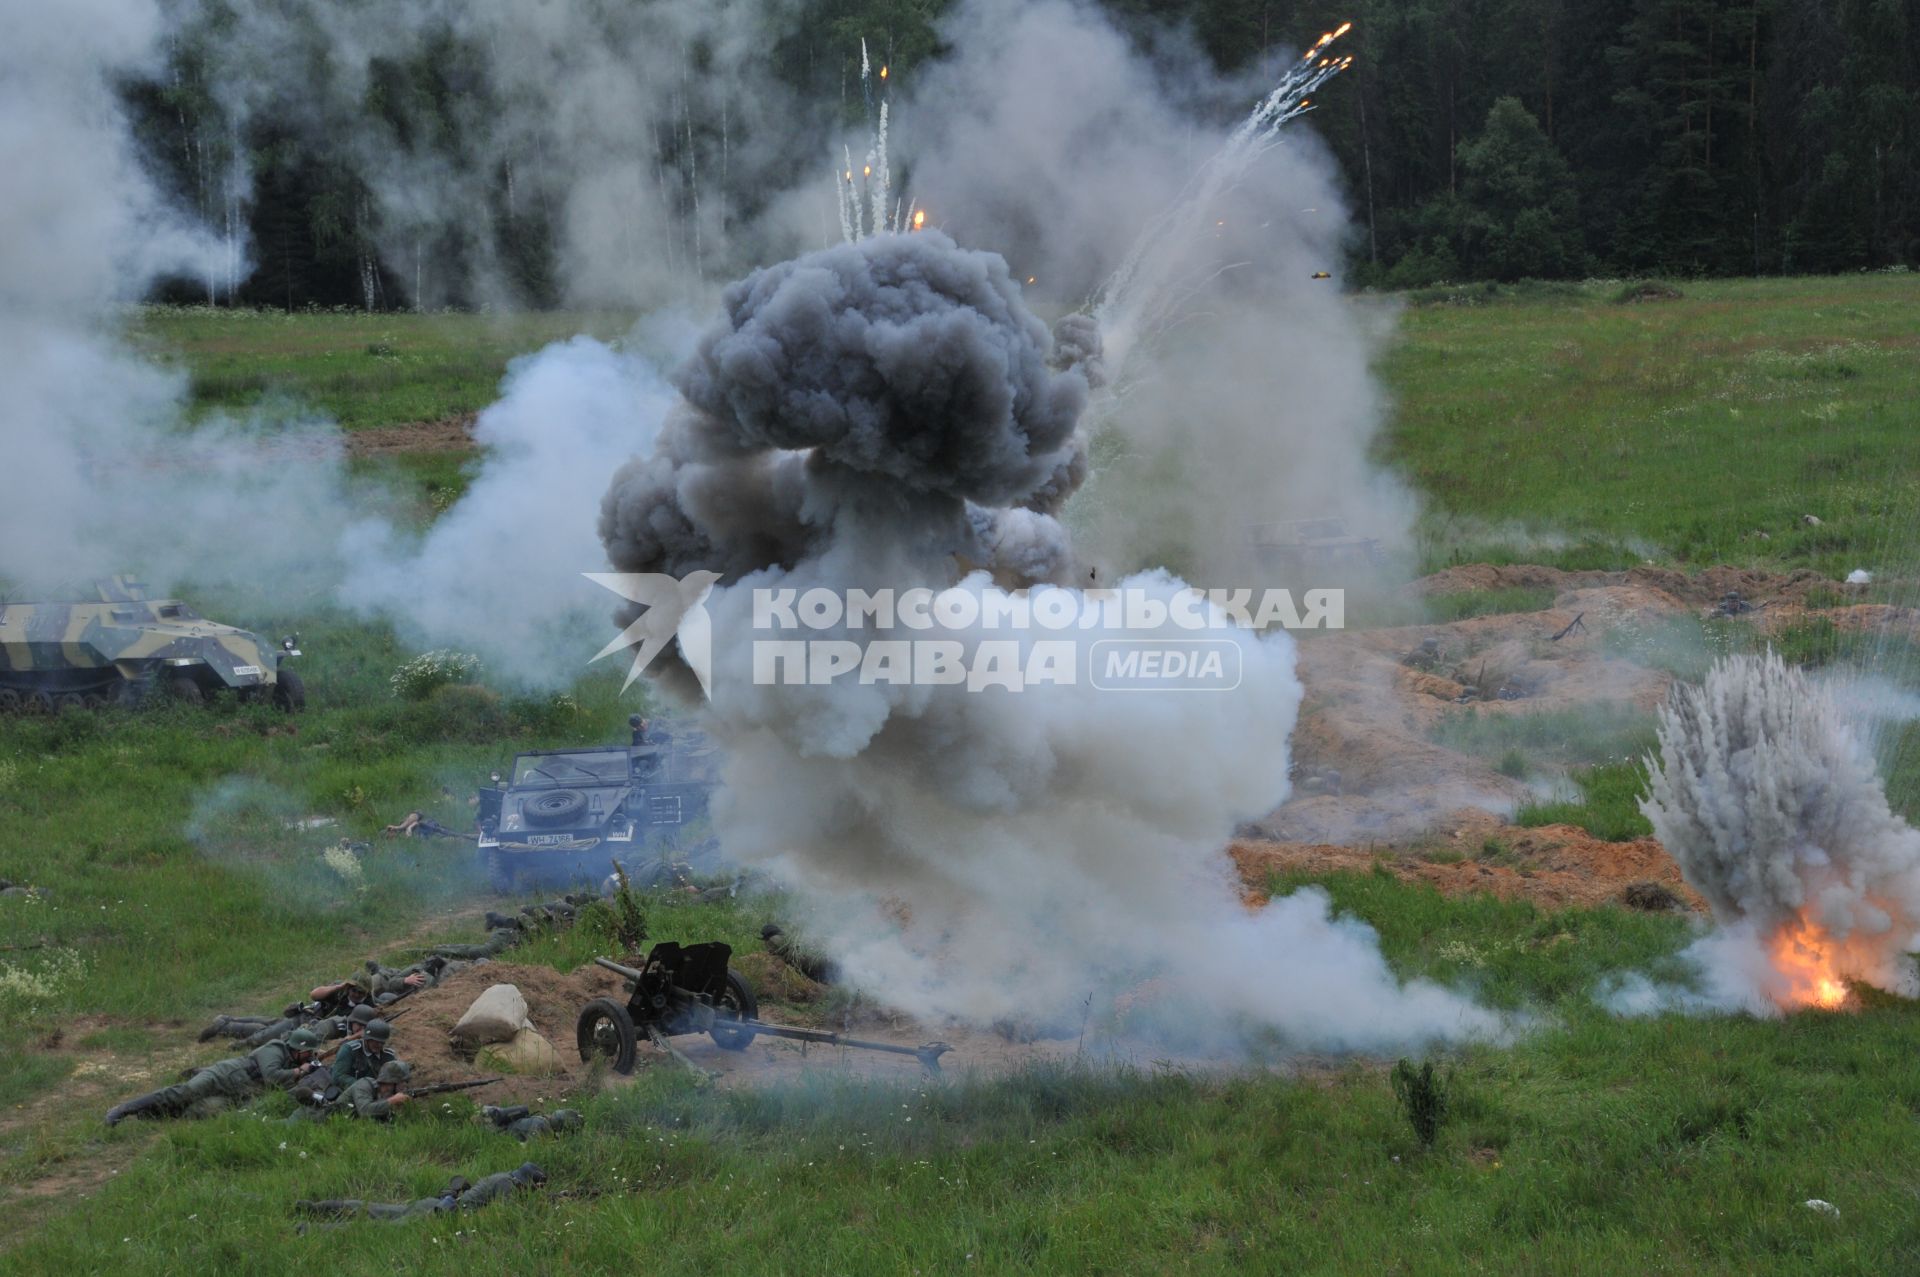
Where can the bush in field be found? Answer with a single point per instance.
(426, 673)
(1422, 1093)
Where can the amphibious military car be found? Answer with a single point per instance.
(565, 815)
(126, 647)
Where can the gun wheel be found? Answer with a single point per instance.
(606, 1032)
(737, 1003)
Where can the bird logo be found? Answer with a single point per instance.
(675, 609)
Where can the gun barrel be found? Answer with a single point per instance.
(617, 969)
(928, 1054)
(441, 1088)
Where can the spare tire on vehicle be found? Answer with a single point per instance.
(560, 807)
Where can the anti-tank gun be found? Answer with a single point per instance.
(686, 989)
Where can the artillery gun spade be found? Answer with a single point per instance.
(690, 989)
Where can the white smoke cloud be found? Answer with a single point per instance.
(94, 470)
(1769, 800)
(626, 131)
(499, 573)
(854, 418)
(1243, 391)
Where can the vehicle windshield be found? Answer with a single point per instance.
(590, 767)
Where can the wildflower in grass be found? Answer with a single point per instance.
(424, 674)
(347, 865)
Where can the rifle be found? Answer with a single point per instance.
(441, 1088)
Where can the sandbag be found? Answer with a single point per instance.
(526, 1052)
(495, 1016)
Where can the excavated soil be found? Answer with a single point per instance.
(554, 999)
(1371, 786)
(1553, 865)
(449, 434)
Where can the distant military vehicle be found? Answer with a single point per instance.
(125, 647)
(1303, 548)
(565, 815)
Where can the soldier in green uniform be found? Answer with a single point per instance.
(277, 1064)
(388, 984)
(459, 1196)
(379, 1097)
(362, 1057)
(523, 1123)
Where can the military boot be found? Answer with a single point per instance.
(134, 1107)
(215, 1029)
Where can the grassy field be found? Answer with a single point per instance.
(356, 369)
(187, 878)
(1574, 429)
(1594, 1145)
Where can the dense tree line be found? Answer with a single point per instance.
(1478, 139)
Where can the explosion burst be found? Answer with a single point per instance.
(1770, 802)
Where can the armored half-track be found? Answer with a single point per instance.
(565, 815)
(125, 647)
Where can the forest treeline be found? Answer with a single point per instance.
(1478, 139)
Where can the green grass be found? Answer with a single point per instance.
(356, 369)
(1461, 604)
(1576, 431)
(170, 837)
(1566, 737)
(1608, 806)
(1543, 424)
(1590, 1145)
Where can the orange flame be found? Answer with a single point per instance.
(919, 219)
(1805, 956)
(867, 171)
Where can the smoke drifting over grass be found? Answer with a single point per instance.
(853, 420)
(1770, 802)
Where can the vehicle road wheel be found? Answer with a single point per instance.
(561, 807)
(40, 703)
(64, 701)
(606, 1032)
(735, 1004)
(9, 700)
(186, 691)
(289, 693)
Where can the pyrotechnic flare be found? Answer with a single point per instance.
(1770, 802)
(867, 207)
(1152, 280)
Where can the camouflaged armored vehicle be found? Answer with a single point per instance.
(126, 647)
(565, 815)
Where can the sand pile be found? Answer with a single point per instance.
(554, 999)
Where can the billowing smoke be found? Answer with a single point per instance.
(888, 414)
(621, 134)
(1770, 802)
(1242, 392)
(874, 390)
(97, 472)
(499, 573)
